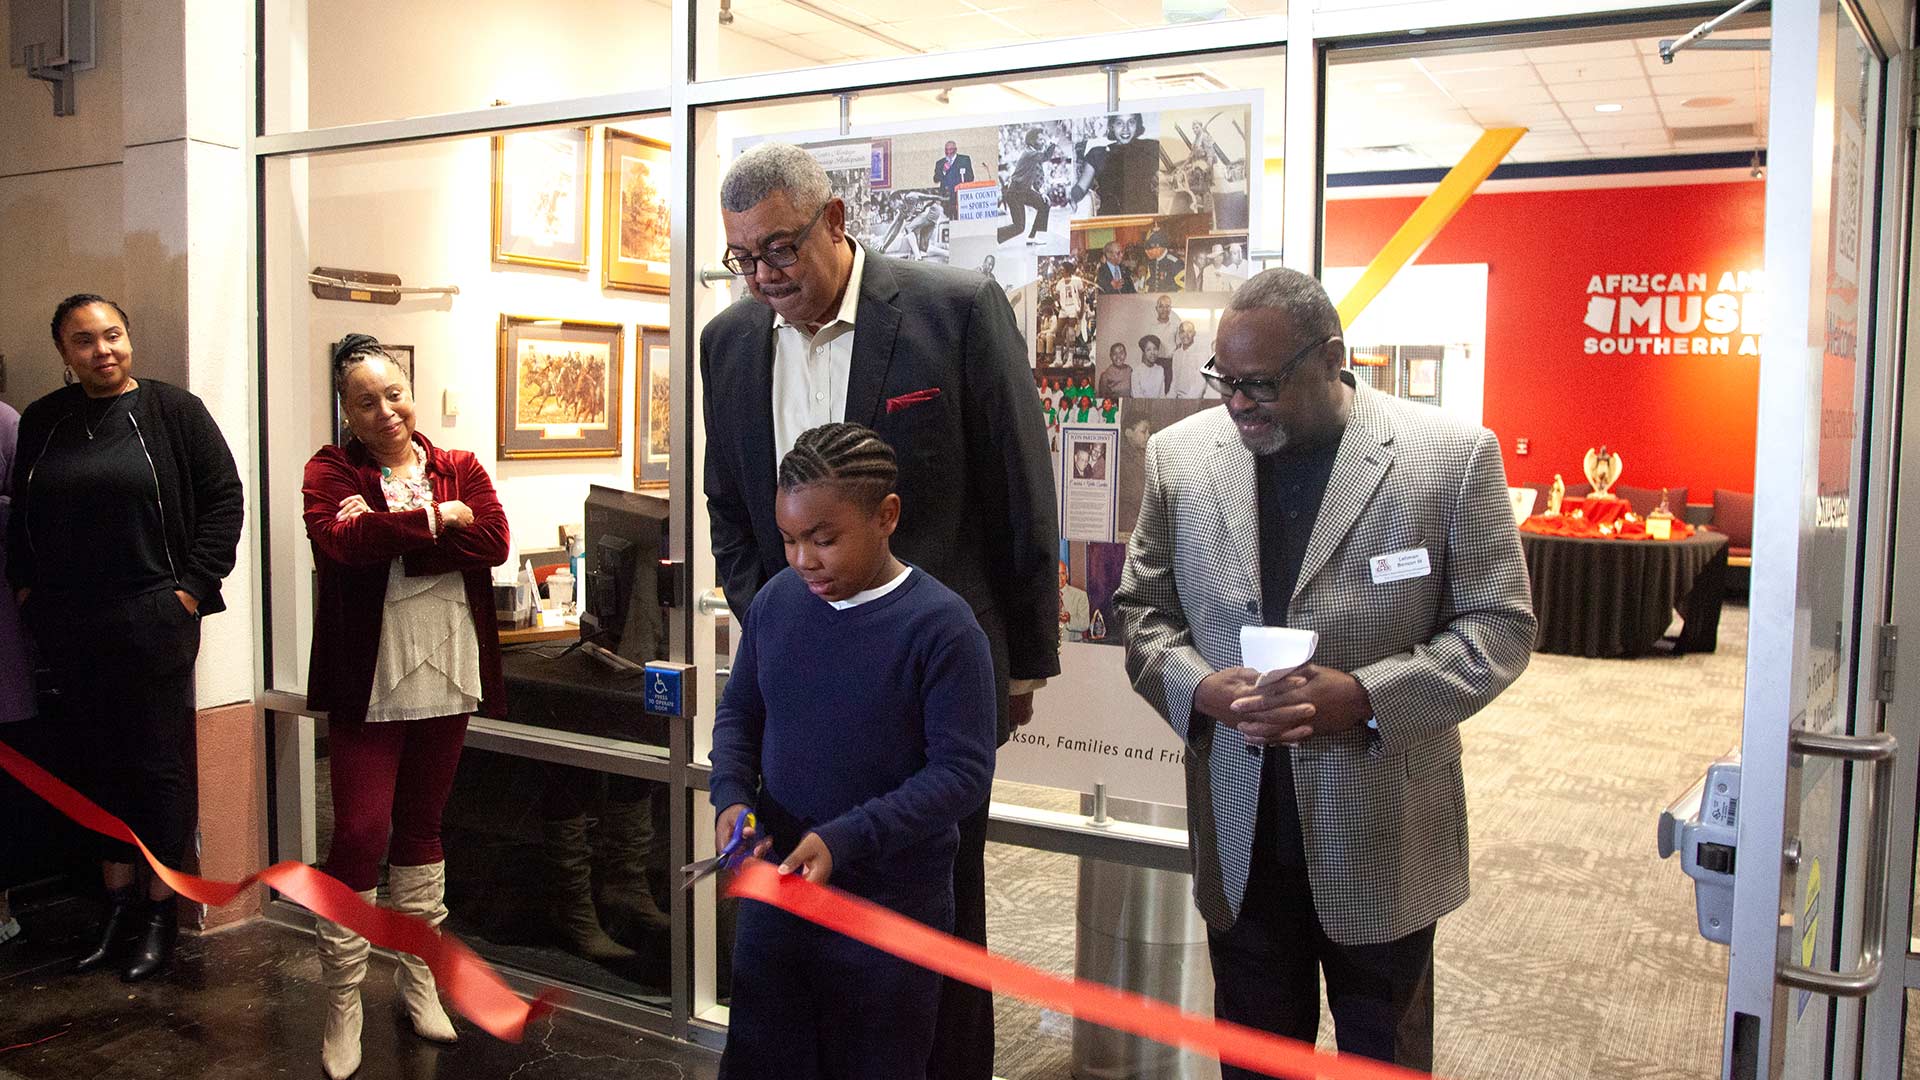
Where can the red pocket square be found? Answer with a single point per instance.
(908, 401)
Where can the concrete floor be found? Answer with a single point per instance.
(246, 1002)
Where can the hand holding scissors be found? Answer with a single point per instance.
(734, 834)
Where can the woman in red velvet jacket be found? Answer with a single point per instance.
(405, 537)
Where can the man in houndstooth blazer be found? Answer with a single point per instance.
(1356, 843)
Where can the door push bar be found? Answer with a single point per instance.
(1879, 750)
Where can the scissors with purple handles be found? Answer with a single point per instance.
(737, 849)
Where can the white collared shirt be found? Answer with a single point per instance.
(810, 372)
(874, 593)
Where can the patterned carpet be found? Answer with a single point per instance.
(1577, 956)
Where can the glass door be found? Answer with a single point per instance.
(1817, 767)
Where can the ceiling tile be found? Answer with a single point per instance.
(1583, 52)
(1676, 104)
(1597, 124)
(1068, 18)
(1473, 60)
(1596, 70)
(1711, 82)
(1621, 91)
(951, 32)
(1486, 79)
(1512, 95)
(1135, 12)
(1538, 118)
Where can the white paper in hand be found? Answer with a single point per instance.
(1275, 651)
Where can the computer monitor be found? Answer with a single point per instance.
(626, 536)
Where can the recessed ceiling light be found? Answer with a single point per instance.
(1711, 101)
(1608, 106)
(1388, 87)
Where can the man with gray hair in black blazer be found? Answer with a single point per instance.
(1328, 814)
(930, 357)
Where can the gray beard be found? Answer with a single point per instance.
(1272, 442)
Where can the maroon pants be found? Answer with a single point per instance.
(394, 772)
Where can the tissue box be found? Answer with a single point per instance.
(507, 615)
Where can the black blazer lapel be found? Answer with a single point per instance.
(753, 397)
(875, 327)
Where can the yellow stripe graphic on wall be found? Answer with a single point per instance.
(1429, 218)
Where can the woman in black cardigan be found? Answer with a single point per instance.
(126, 515)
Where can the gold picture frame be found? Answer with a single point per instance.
(652, 408)
(635, 225)
(559, 388)
(542, 191)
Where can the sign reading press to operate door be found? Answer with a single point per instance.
(1676, 314)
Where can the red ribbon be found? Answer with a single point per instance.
(894, 933)
(471, 987)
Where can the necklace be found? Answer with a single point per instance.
(94, 427)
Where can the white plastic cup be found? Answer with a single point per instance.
(560, 587)
(1273, 651)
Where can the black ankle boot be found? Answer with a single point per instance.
(155, 951)
(115, 926)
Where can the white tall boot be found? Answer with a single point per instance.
(343, 963)
(421, 891)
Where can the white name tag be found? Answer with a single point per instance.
(1400, 565)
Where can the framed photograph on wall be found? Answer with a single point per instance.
(635, 227)
(559, 388)
(541, 191)
(402, 353)
(652, 409)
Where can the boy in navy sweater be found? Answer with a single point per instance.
(858, 726)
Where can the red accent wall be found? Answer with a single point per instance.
(1675, 420)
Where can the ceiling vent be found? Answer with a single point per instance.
(1707, 132)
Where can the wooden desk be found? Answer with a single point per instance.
(528, 634)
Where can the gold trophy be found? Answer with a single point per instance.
(1603, 471)
(1660, 522)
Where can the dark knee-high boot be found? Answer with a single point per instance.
(116, 925)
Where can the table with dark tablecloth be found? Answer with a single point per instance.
(1609, 597)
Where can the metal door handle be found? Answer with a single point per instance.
(711, 602)
(1880, 750)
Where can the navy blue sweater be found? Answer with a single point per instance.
(872, 726)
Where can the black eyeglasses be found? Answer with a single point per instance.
(779, 255)
(1261, 390)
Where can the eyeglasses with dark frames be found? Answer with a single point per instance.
(779, 254)
(1263, 390)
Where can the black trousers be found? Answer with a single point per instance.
(963, 1033)
(1267, 968)
(122, 678)
(35, 838)
(809, 1004)
(1018, 199)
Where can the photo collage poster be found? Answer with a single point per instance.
(1118, 237)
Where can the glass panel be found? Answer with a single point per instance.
(1181, 230)
(1826, 934)
(1537, 263)
(748, 37)
(514, 245)
(558, 871)
(1419, 109)
(332, 62)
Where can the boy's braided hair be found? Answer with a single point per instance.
(846, 454)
